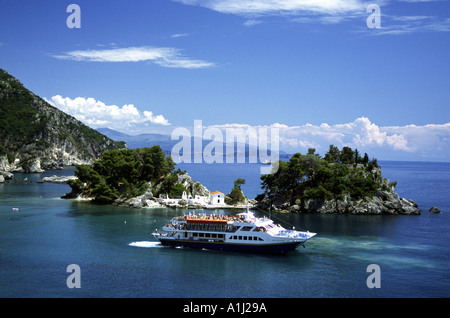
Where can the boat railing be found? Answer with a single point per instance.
(201, 227)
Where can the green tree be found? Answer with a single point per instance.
(366, 158)
(358, 158)
(124, 173)
(347, 155)
(333, 154)
(238, 182)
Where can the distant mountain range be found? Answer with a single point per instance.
(139, 141)
(167, 144)
(41, 135)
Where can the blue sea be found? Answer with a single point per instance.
(42, 234)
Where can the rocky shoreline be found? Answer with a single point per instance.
(384, 202)
(198, 196)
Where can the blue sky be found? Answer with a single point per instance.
(313, 69)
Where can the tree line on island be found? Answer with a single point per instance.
(310, 176)
(128, 173)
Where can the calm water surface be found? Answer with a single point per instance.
(119, 258)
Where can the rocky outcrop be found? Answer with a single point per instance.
(5, 169)
(6, 175)
(434, 210)
(384, 202)
(193, 188)
(56, 179)
(137, 202)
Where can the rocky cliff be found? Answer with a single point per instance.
(35, 135)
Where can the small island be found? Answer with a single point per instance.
(340, 182)
(144, 177)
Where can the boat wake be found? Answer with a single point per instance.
(146, 244)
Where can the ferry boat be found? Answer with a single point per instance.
(241, 233)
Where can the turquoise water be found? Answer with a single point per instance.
(119, 258)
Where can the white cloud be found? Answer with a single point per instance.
(390, 142)
(329, 12)
(430, 140)
(419, 0)
(407, 24)
(163, 56)
(252, 22)
(247, 7)
(97, 114)
(179, 35)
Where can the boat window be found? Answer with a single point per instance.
(201, 234)
(234, 228)
(246, 228)
(260, 239)
(240, 237)
(245, 238)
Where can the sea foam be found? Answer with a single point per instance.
(146, 244)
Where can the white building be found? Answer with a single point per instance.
(216, 197)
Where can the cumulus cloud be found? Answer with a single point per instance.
(163, 56)
(428, 141)
(392, 142)
(97, 114)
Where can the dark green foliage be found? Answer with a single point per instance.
(333, 154)
(238, 182)
(170, 186)
(365, 159)
(125, 173)
(309, 176)
(26, 119)
(347, 155)
(236, 195)
(17, 113)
